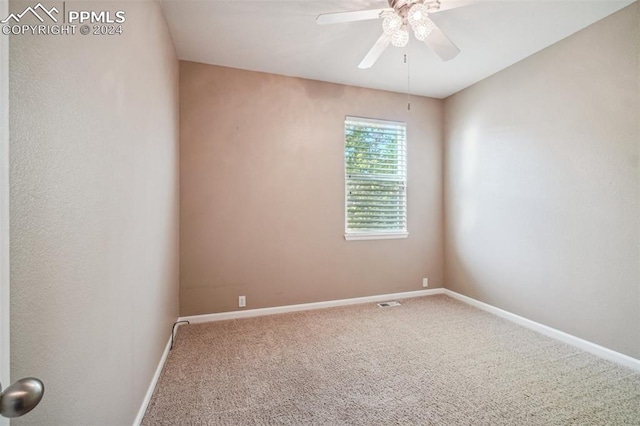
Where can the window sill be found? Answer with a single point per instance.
(376, 236)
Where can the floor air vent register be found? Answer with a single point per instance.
(388, 304)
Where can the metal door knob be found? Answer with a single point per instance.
(21, 397)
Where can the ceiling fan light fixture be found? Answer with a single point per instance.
(391, 23)
(418, 14)
(423, 30)
(400, 37)
(396, 20)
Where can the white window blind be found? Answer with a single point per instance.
(375, 179)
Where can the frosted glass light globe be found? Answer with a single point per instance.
(422, 31)
(391, 23)
(418, 14)
(400, 38)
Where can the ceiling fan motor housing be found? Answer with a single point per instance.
(401, 7)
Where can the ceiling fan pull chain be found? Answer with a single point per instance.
(406, 61)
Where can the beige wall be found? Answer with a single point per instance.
(94, 214)
(262, 192)
(543, 186)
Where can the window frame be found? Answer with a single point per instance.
(350, 235)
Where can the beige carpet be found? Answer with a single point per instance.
(432, 360)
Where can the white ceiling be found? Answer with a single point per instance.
(282, 37)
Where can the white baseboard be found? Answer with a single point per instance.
(152, 385)
(585, 345)
(307, 306)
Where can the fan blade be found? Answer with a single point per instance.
(360, 15)
(441, 45)
(375, 52)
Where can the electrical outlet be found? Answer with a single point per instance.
(242, 301)
(425, 282)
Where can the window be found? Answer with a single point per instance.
(375, 179)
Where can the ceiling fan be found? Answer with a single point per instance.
(401, 16)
